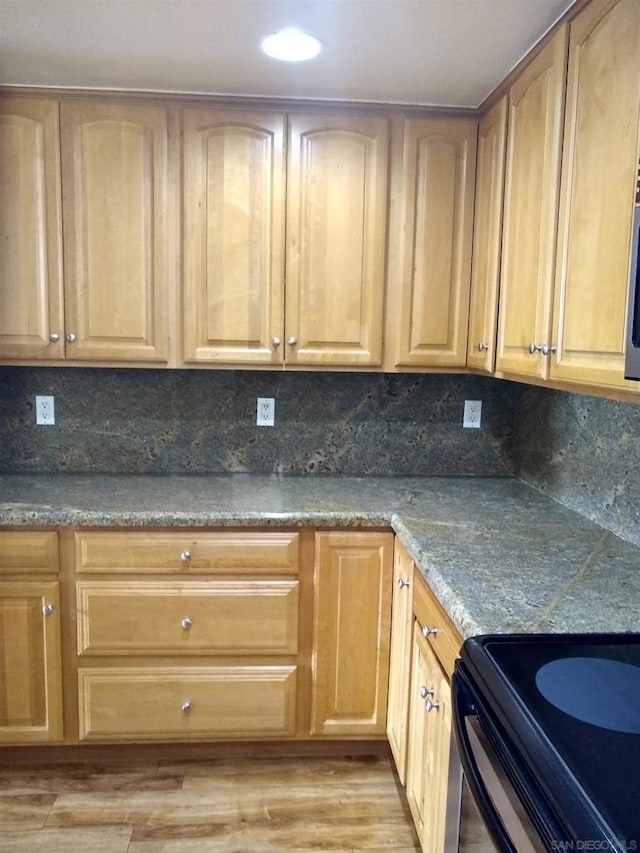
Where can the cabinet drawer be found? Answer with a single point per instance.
(444, 640)
(215, 552)
(28, 551)
(216, 617)
(174, 703)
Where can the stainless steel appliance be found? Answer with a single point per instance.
(632, 350)
(548, 732)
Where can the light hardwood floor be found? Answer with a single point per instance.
(243, 805)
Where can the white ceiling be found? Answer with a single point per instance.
(438, 52)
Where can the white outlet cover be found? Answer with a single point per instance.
(266, 412)
(472, 414)
(45, 411)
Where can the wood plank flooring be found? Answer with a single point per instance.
(235, 805)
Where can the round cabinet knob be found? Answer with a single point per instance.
(431, 706)
(185, 556)
(186, 623)
(429, 632)
(54, 337)
(534, 348)
(275, 342)
(402, 583)
(292, 341)
(482, 347)
(186, 707)
(426, 691)
(545, 349)
(48, 609)
(70, 336)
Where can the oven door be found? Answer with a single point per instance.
(493, 785)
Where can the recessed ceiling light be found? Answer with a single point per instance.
(291, 45)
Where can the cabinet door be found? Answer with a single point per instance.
(431, 270)
(352, 617)
(30, 230)
(233, 309)
(487, 235)
(598, 182)
(432, 777)
(400, 658)
(536, 106)
(30, 667)
(115, 203)
(336, 240)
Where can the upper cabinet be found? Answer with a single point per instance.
(536, 105)
(487, 231)
(31, 302)
(116, 234)
(234, 207)
(599, 169)
(236, 307)
(430, 244)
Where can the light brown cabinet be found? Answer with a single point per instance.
(430, 244)
(487, 235)
(30, 654)
(235, 300)
(352, 616)
(599, 168)
(532, 180)
(31, 297)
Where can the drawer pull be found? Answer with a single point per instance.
(431, 706)
(186, 707)
(47, 609)
(429, 632)
(402, 583)
(426, 691)
(186, 623)
(185, 556)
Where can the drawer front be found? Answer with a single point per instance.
(441, 634)
(171, 703)
(28, 551)
(185, 618)
(210, 553)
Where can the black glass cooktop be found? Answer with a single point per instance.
(571, 705)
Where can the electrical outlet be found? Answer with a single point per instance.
(266, 411)
(472, 414)
(45, 411)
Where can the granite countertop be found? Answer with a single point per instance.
(500, 556)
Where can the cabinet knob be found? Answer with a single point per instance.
(70, 336)
(275, 342)
(402, 583)
(426, 691)
(48, 609)
(292, 341)
(429, 632)
(54, 337)
(186, 623)
(431, 706)
(185, 556)
(534, 348)
(186, 707)
(482, 347)
(545, 349)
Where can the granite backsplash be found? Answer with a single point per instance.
(203, 421)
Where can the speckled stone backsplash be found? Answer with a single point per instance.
(203, 421)
(582, 451)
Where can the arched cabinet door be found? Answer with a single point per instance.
(233, 213)
(116, 231)
(336, 239)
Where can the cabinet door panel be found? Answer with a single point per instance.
(536, 106)
(351, 633)
(487, 234)
(114, 167)
(598, 183)
(337, 181)
(30, 668)
(434, 272)
(400, 658)
(234, 236)
(30, 230)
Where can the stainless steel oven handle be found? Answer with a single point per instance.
(462, 708)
